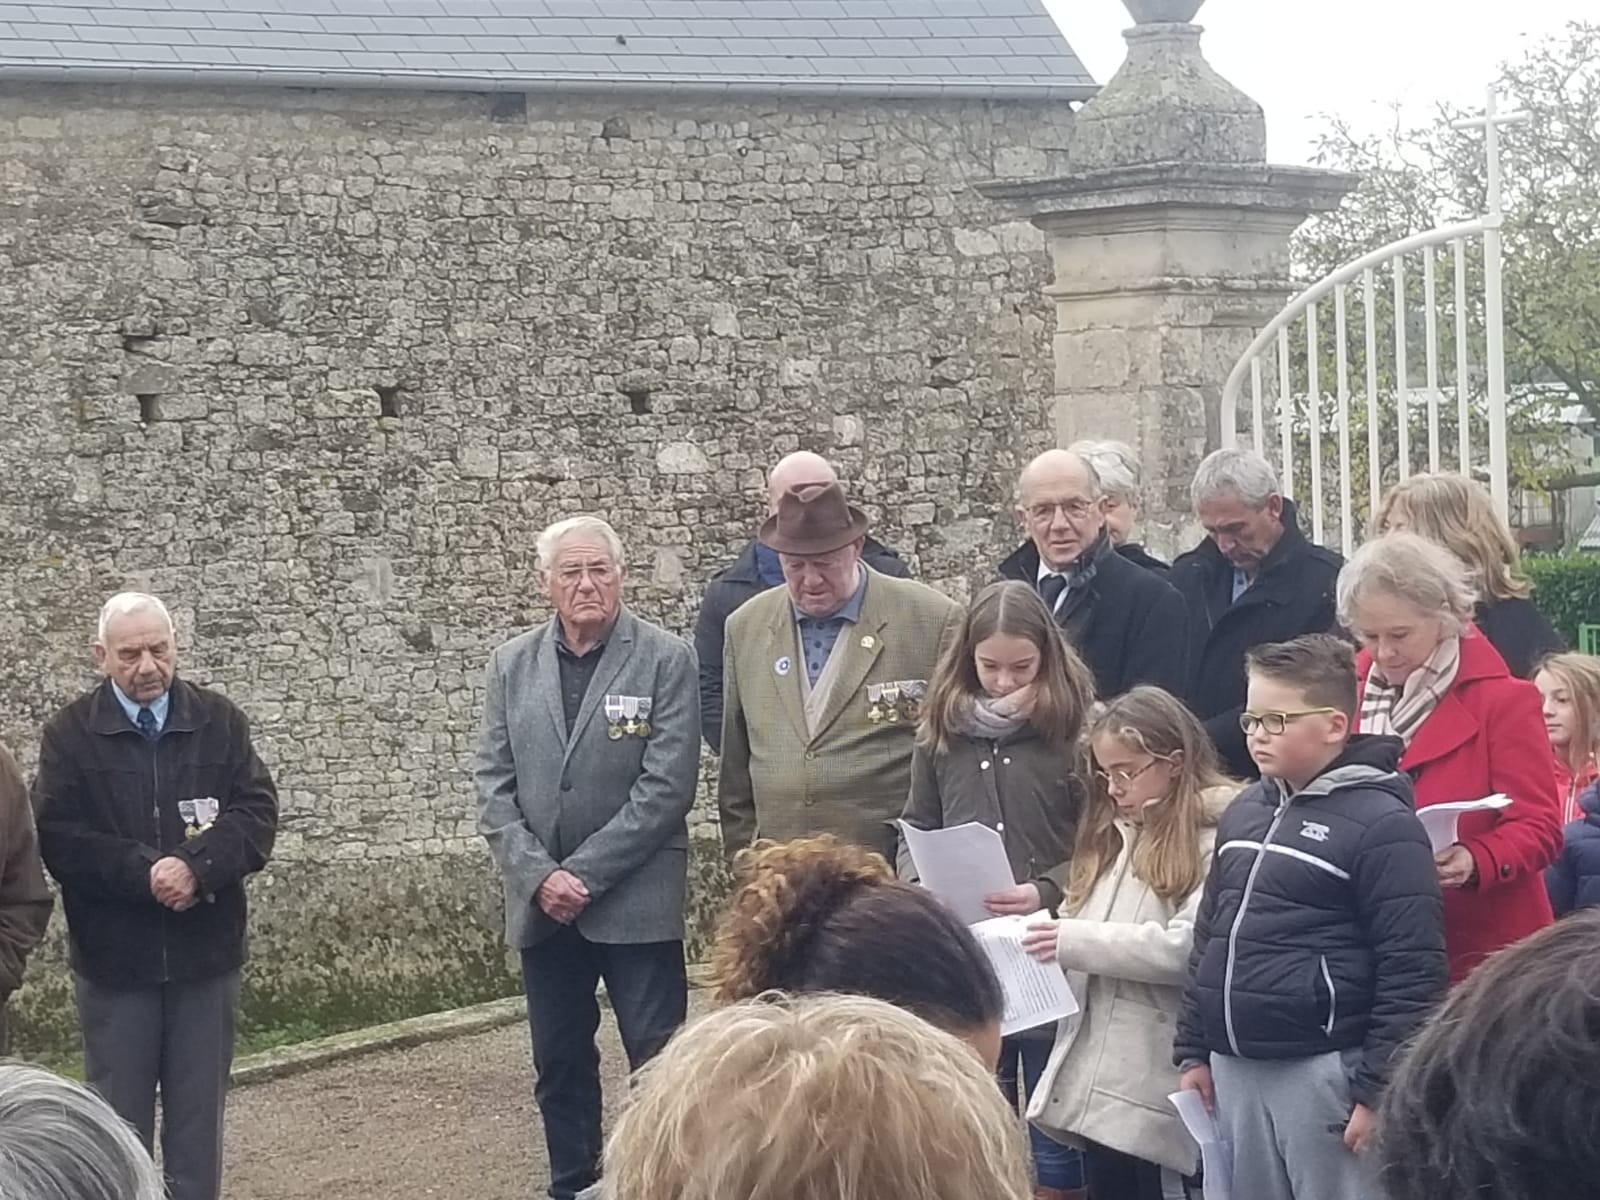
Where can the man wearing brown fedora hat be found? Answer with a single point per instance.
(822, 680)
(755, 569)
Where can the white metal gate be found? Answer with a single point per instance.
(1305, 416)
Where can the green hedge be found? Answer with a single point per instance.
(1567, 590)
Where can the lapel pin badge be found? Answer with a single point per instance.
(783, 665)
(868, 642)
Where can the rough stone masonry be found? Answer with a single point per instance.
(316, 366)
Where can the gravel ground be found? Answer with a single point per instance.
(452, 1118)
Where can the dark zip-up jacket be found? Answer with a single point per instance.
(1020, 786)
(1321, 926)
(1292, 594)
(728, 589)
(107, 803)
(1128, 624)
(1574, 880)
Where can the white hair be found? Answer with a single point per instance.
(1408, 567)
(125, 604)
(1243, 472)
(550, 540)
(60, 1141)
(1114, 462)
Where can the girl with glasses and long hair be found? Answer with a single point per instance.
(1143, 850)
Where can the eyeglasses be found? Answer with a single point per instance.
(1118, 778)
(1074, 510)
(1276, 722)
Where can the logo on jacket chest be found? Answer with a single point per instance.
(1314, 831)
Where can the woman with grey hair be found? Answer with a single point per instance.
(60, 1141)
(1118, 470)
(1471, 730)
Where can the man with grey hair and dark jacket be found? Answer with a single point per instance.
(1254, 579)
(153, 808)
(586, 770)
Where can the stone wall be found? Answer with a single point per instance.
(315, 366)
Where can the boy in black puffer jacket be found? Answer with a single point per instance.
(1319, 944)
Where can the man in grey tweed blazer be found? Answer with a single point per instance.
(586, 770)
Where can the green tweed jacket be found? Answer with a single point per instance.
(851, 778)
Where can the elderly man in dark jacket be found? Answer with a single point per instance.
(1255, 579)
(1127, 623)
(25, 900)
(153, 807)
(754, 571)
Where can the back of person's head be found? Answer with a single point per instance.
(821, 915)
(816, 1098)
(1499, 1096)
(1321, 667)
(60, 1141)
(1063, 686)
(1149, 721)
(1459, 514)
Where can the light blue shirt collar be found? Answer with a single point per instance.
(158, 707)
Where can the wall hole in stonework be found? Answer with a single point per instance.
(149, 407)
(388, 401)
(638, 401)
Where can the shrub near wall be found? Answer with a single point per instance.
(1566, 589)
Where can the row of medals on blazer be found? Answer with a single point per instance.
(895, 702)
(627, 715)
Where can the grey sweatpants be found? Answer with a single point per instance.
(178, 1036)
(1286, 1121)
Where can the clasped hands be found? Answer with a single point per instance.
(562, 896)
(174, 884)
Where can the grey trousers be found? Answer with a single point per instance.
(178, 1036)
(1286, 1121)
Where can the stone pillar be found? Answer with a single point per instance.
(1170, 243)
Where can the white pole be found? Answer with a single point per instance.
(1346, 508)
(1463, 412)
(1431, 310)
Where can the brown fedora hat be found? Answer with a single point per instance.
(812, 518)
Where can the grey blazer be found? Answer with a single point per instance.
(611, 811)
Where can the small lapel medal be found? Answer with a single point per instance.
(783, 665)
(613, 717)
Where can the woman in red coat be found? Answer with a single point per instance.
(1471, 730)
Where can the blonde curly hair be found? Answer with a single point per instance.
(816, 1098)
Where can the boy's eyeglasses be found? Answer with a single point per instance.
(1276, 722)
(1120, 778)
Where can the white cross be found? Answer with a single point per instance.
(1490, 123)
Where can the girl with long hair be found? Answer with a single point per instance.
(1143, 850)
(1570, 687)
(998, 745)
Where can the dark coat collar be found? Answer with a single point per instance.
(106, 714)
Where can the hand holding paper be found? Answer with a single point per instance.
(1441, 820)
(1035, 993)
(960, 865)
(1216, 1155)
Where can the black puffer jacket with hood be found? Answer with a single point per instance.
(1321, 927)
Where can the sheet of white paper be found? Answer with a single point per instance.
(1440, 820)
(960, 865)
(1036, 993)
(1216, 1156)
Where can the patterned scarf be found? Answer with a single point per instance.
(993, 720)
(1400, 709)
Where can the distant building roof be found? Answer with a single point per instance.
(979, 48)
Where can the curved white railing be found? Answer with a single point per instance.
(1366, 268)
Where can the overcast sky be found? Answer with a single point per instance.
(1300, 59)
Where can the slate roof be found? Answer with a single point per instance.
(876, 47)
